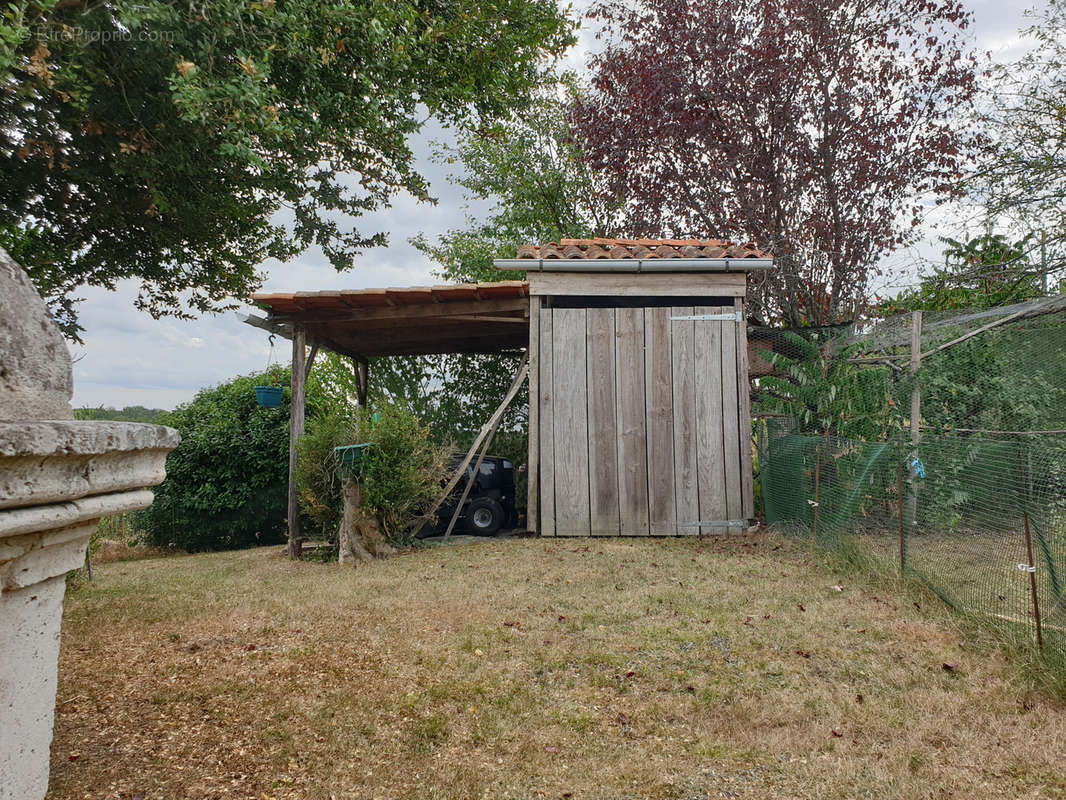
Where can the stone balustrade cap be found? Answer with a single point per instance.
(74, 437)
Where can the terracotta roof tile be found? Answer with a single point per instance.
(572, 249)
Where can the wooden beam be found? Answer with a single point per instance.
(419, 311)
(911, 510)
(409, 334)
(476, 318)
(546, 424)
(744, 389)
(296, 429)
(311, 361)
(362, 369)
(972, 333)
(658, 284)
(389, 346)
(469, 348)
(497, 418)
(533, 428)
(494, 420)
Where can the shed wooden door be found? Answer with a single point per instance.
(644, 424)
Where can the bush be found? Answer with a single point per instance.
(226, 484)
(402, 472)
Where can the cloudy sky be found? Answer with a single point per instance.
(128, 358)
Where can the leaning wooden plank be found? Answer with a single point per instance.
(570, 423)
(659, 422)
(666, 284)
(547, 433)
(603, 426)
(493, 422)
(632, 449)
(731, 438)
(744, 396)
(710, 464)
(523, 371)
(310, 361)
(683, 374)
(533, 431)
(471, 478)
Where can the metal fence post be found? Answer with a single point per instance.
(1032, 581)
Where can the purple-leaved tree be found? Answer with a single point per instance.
(813, 128)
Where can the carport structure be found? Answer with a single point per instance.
(638, 365)
(407, 321)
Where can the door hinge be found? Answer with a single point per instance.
(716, 523)
(736, 316)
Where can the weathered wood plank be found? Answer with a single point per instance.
(659, 422)
(533, 431)
(710, 462)
(493, 422)
(632, 451)
(603, 423)
(734, 507)
(298, 383)
(744, 389)
(547, 433)
(665, 284)
(683, 379)
(570, 422)
(416, 312)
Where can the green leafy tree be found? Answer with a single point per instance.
(533, 169)
(1021, 178)
(182, 145)
(981, 272)
(827, 394)
(538, 173)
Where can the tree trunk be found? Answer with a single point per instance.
(359, 538)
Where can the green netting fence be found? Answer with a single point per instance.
(971, 500)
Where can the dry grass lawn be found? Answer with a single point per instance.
(535, 668)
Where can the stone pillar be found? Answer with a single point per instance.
(58, 477)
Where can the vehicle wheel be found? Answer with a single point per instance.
(484, 516)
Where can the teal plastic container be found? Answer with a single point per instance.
(350, 457)
(269, 396)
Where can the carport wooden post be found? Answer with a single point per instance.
(361, 368)
(296, 429)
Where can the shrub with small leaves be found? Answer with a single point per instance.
(402, 470)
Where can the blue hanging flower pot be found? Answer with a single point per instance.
(269, 396)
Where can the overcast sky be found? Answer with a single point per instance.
(128, 358)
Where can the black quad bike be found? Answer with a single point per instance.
(490, 506)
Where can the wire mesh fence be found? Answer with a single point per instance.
(954, 470)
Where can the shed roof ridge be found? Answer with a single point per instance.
(607, 248)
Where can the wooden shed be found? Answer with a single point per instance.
(639, 418)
